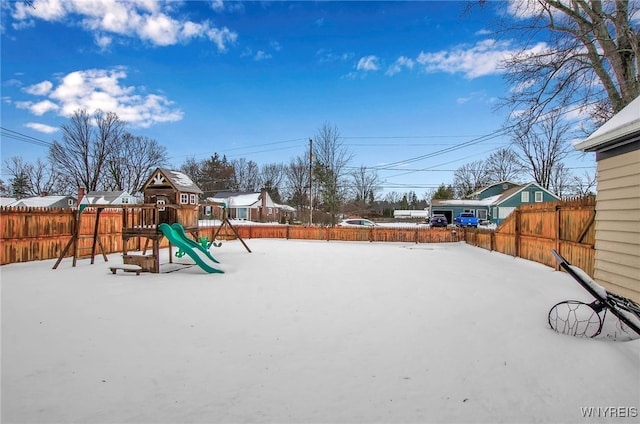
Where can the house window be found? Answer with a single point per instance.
(184, 198)
(242, 213)
(70, 202)
(481, 214)
(538, 196)
(125, 200)
(495, 212)
(161, 202)
(524, 197)
(269, 211)
(192, 199)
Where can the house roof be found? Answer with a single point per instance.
(177, 179)
(7, 201)
(241, 199)
(102, 197)
(489, 201)
(40, 201)
(623, 127)
(483, 189)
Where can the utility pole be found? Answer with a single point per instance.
(310, 182)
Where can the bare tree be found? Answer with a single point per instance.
(365, 184)
(574, 53)
(331, 158)
(271, 176)
(543, 147)
(560, 180)
(297, 181)
(392, 197)
(193, 169)
(87, 144)
(503, 165)
(470, 177)
(33, 179)
(584, 185)
(130, 166)
(247, 175)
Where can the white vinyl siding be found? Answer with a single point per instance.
(617, 255)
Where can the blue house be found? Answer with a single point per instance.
(495, 202)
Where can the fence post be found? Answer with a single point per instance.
(557, 233)
(517, 232)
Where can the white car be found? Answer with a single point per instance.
(356, 222)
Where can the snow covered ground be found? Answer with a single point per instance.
(306, 332)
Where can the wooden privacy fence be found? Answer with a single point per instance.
(30, 234)
(399, 234)
(531, 231)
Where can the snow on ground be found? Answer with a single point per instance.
(305, 332)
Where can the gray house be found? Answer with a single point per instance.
(46, 202)
(617, 148)
(495, 202)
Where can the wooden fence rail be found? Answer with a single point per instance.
(29, 234)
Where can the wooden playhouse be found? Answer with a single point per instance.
(169, 197)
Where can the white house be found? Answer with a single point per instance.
(119, 197)
(252, 206)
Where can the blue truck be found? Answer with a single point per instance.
(466, 219)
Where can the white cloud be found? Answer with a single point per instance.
(524, 9)
(39, 89)
(40, 108)
(275, 46)
(103, 41)
(484, 58)
(328, 56)
(148, 20)
(368, 63)
(94, 89)
(47, 129)
(217, 5)
(400, 63)
(222, 37)
(261, 55)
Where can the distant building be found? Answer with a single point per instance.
(495, 202)
(45, 202)
(119, 197)
(252, 206)
(411, 213)
(7, 201)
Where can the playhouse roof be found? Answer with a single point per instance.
(180, 181)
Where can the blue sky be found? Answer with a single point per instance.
(406, 83)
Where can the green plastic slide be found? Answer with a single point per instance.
(175, 239)
(179, 229)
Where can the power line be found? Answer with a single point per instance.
(15, 135)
